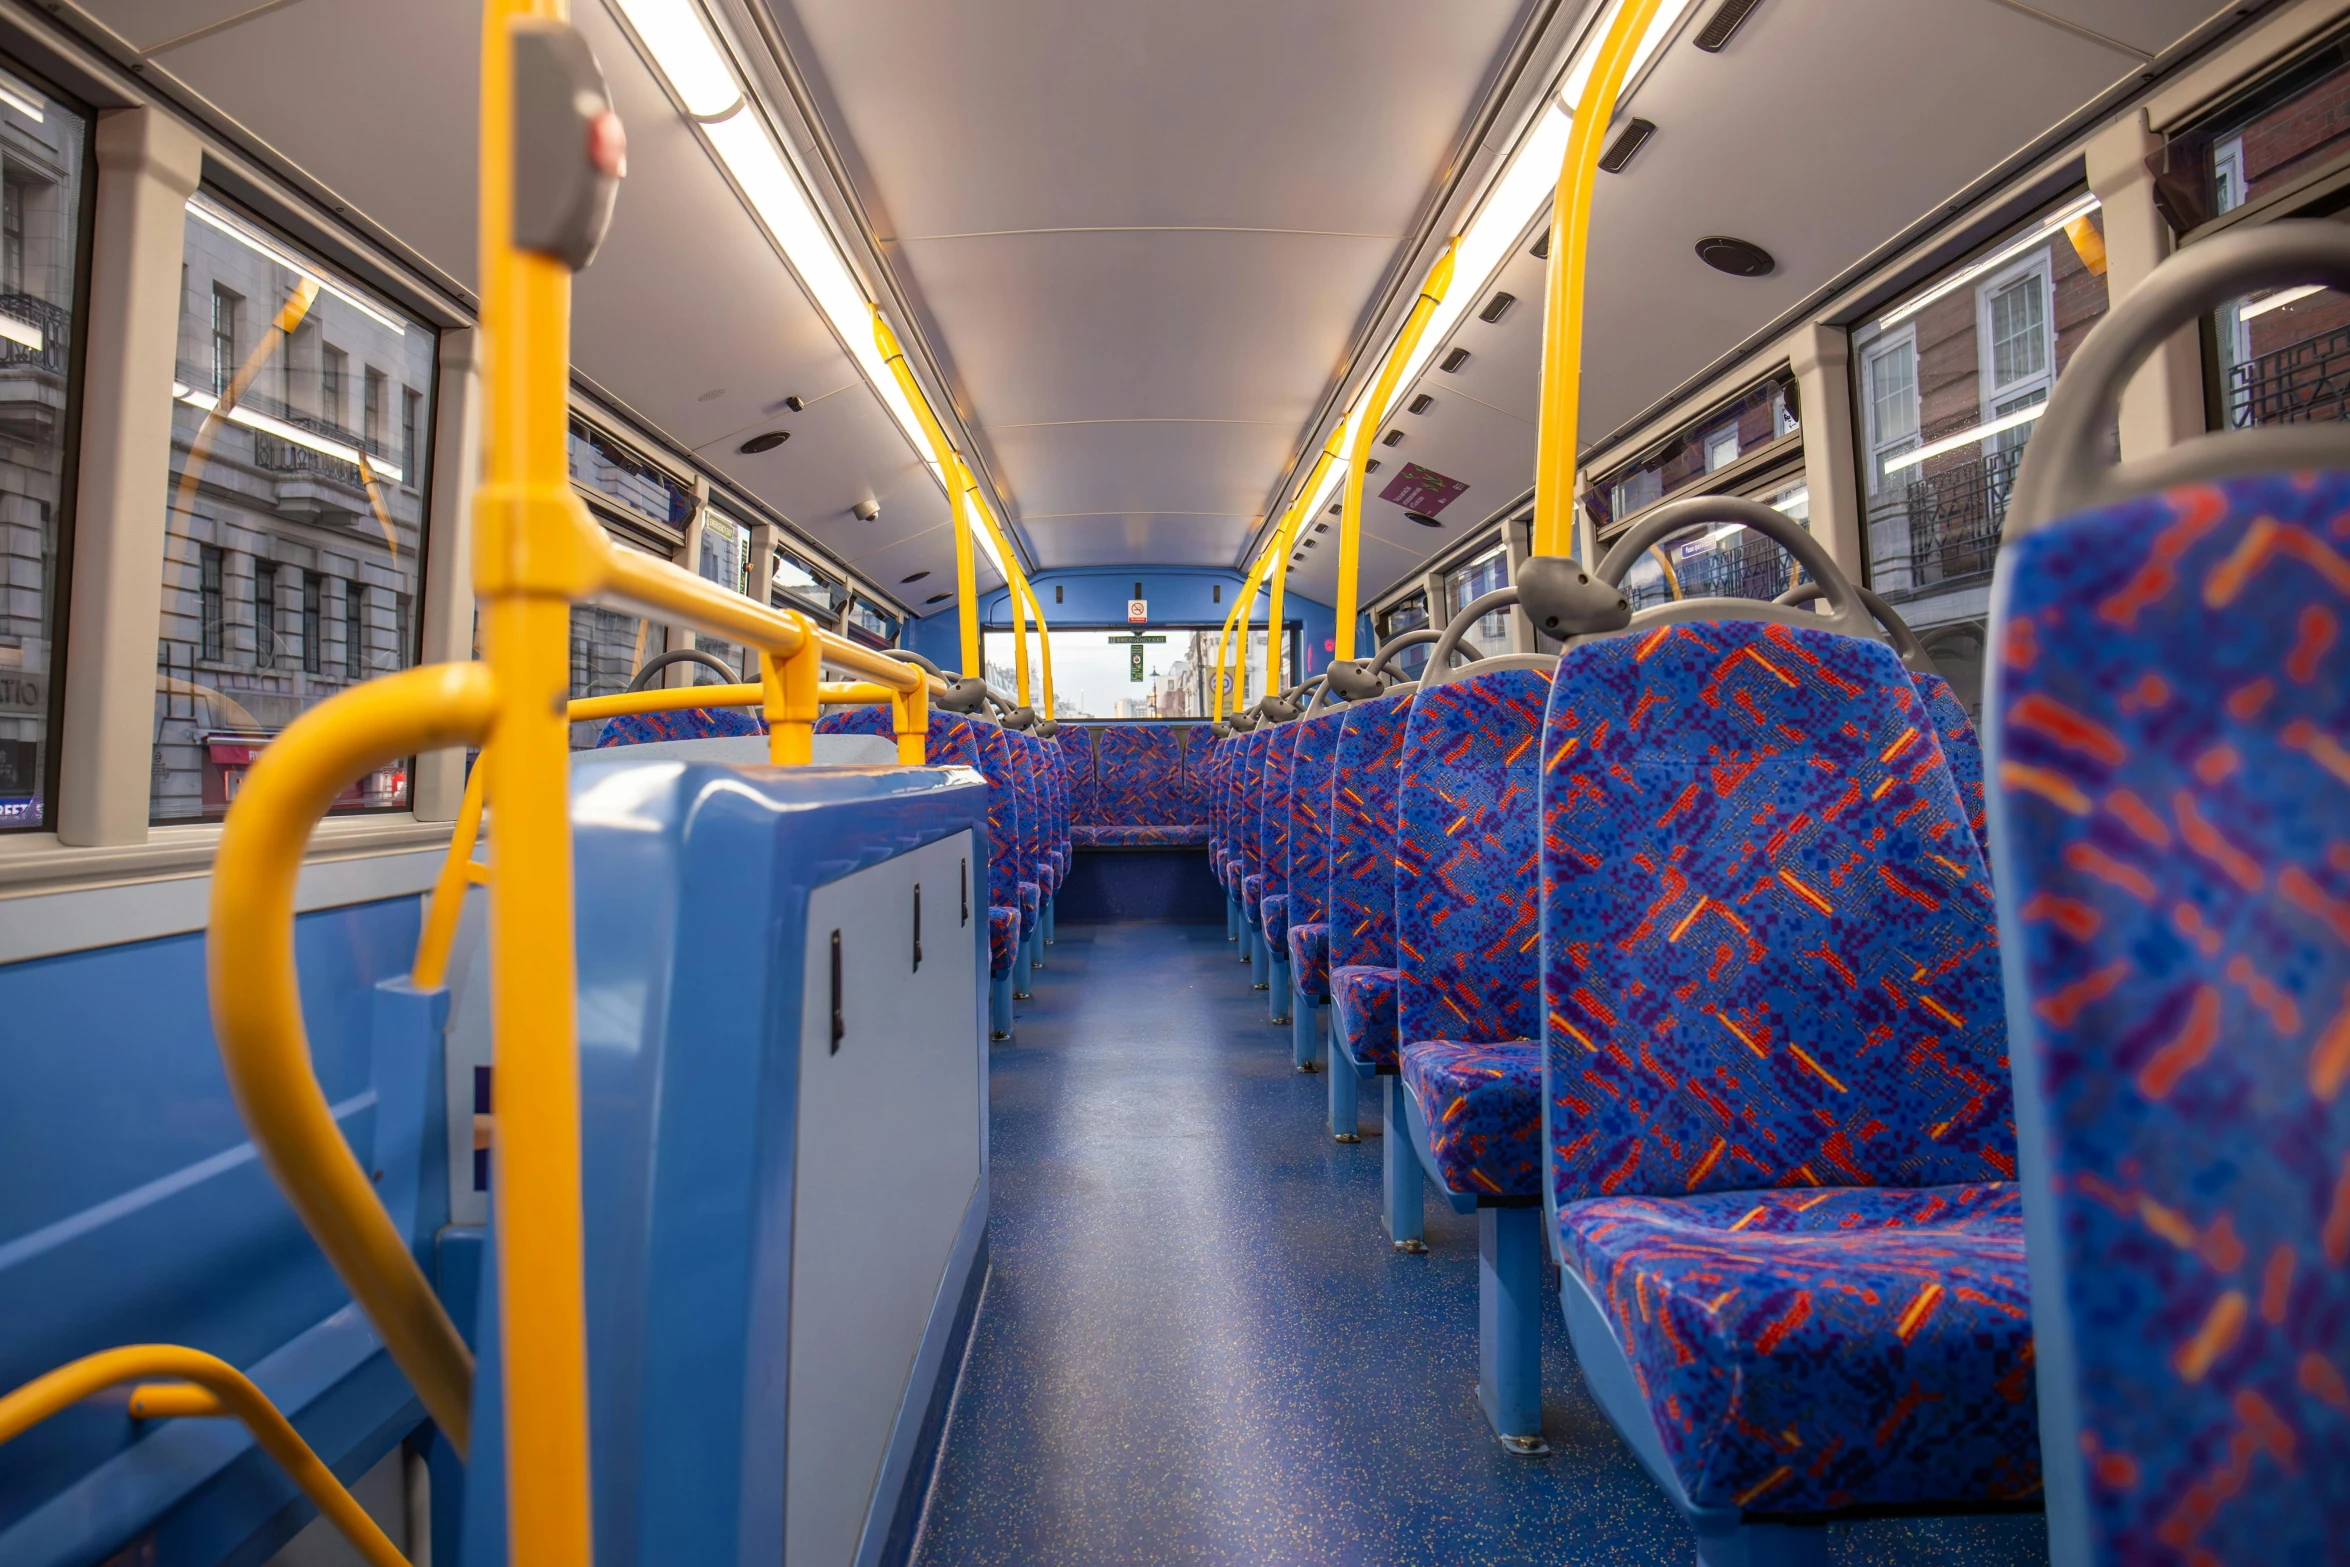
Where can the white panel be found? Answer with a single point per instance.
(888, 1156)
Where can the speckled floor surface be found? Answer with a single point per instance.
(1196, 1345)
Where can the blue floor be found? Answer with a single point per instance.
(1196, 1346)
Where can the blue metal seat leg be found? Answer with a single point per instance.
(999, 1006)
(1277, 1006)
(1231, 917)
(1305, 1018)
(1260, 958)
(1048, 920)
(1406, 1200)
(1345, 1125)
(1020, 975)
(1509, 1325)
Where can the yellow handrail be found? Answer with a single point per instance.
(1278, 551)
(224, 1391)
(257, 1003)
(942, 451)
(1563, 285)
(1373, 413)
(448, 891)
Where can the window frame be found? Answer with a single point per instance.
(1988, 395)
(1876, 446)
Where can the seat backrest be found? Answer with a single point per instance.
(1364, 779)
(691, 723)
(1076, 745)
(1141, 767)
(1960, 748)
(1273, 810)
(2170, 732)
(1309, 818)
(1769, 956)
(1030, 794)
(1468, 845)
(1247, 795)
(948, 740)
(1199, 744)
(1003, 815)
(1044, 765)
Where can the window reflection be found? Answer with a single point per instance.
(41, 195)
(1762, 415)
(1488, 634)
(295, 514)
(1410, 614)
(1950, 384)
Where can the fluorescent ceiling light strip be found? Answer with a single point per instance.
(22, 332)
(199, 208)
(287, 432)
(681, 46)
(2250, 312)
(1981, 432)
(1951, 285)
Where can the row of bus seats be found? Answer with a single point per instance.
(1136, 786)
(1679, 956)
(1029, 790)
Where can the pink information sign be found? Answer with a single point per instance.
(1422, 490)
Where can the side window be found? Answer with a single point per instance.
(1950, 383)
(293, 540)
(43, 198)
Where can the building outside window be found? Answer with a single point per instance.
(1465, 584)
(1950, 384)
(642, 507)
(2283, 355)
(43, 186)
(795, 582)
(1406, 615)
(268, 478)
(726, 560)
(1095, 674)
(874, 627)
(1753, 422)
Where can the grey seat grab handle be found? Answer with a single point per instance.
(1846, 615)
(2058, 478)
(1905, 641)
(1440, 667)
(684, 655)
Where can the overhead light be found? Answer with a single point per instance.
(1981, 432)
(1668, 16)
(764, 442)
(2251, 312)
(1998, 258)
(681, 46)
(1630, 140)
(260, 244)
(288, 432)
(1421, 404)
(1738, 257)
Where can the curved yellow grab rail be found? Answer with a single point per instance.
(218, 1389)
(458, 871)
(1374, 412)
(257, 1002)
(1563, 284)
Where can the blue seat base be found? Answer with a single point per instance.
(1277, 988)
(1305, 1018)
(1405, 1206)
(999, 1006)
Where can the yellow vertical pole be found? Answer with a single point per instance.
(1283, 544)
(788, 698)
(1016, 594)
(534, 553)
(910, 720)
(950, 467)
(1044, 648)
(1223, 681)
(1563, 283)
(1373, 412)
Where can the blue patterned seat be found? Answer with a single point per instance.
(689, 723)
(1139, 799)
(1363, 979)
(1309, 854)
(1482, 1107)
(1769, 963)
(1961, 749)
(2170, 728)
(948, 740)
(1273, 812)
(1003, 856)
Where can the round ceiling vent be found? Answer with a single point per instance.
(1738, 257)
(1423, 519)
(764, 443)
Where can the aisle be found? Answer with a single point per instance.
(1196, 1345)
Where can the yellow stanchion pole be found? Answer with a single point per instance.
(950, 467)
(1563, 284)
(1373, 412)
(534, 554)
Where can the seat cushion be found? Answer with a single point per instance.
(1252, 898)
(1483, 1106)
(1130, 837)
(1811, 1350)
(1274, 914)
(1003, 936)
(689, 723)
(1362, 1012)
(1309, 960)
